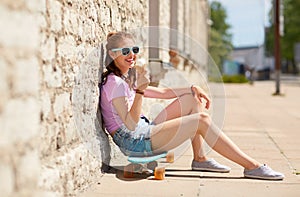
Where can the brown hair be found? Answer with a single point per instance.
(113, 40)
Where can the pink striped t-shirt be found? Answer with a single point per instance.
(113, 88)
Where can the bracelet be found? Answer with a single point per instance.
(193, 93)
(139, 91)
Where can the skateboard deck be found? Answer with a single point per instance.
(145, 165)
(147, 159)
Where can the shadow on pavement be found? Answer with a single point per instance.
(119, 173)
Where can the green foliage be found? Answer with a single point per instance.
(234, 79)
(219, 45)
(269, 41)
(215, 47)
(215, 79)
(229, 79)
(218, 15)
(291, 30)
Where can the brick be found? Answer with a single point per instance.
(92, 12)
(41, 20)
(75, 169)
(86, 29)
(18, 29)
(66, 47)
(48, 48)
(14, 5)
(49, 179)
(26, 76)
(20, 121)
(45, 103)
(4, 88)
(55, 15)
(71, 132)
(49, 138)
(71, 21)
(115, 18)
(104, 14)
(62, 102)
(28, 170)
(6, 179)
(52, 78)
(36, 5)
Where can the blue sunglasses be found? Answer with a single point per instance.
(126, 50)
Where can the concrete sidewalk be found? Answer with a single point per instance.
(264, 126)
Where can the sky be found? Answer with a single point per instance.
(247, 19)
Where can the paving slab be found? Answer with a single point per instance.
(264, 126)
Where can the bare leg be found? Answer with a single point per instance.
(169, 134)
(176, 110)
(198, 148)
(224, 146)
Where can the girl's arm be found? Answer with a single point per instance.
(166, 93)
(169, 93)
(129, 116)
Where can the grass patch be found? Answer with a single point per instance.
(234, 79)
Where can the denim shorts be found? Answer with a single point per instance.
(137, 142)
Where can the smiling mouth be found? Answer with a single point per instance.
(130, 61)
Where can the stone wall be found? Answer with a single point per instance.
(49, 70)
(19, 96)
(44, 45)
(69, 78)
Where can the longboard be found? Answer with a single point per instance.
(141, 165)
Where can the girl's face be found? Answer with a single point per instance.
(124, 62)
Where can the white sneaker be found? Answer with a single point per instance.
(209, 166)
(263, 172)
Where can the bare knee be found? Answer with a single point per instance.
(204, 116)
(191, 102)
(187, 97)
(204, 122)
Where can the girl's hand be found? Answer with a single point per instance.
(200, 94)
(142, 80)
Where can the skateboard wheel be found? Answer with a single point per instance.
(170, 157)
(159, 173)
(129, 171)
(152, 165)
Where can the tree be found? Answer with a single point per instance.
(291, 31)
(219, 45)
